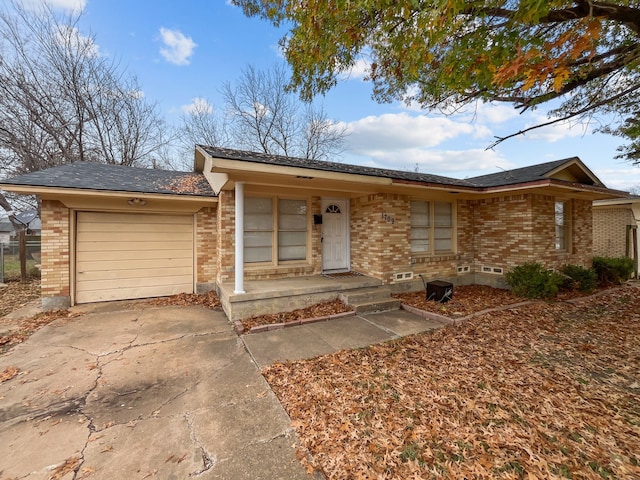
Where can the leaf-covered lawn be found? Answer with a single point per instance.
(466, 299)
(318, 310)
(540, 391)
(16, 295)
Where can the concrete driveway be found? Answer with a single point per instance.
(137, 393)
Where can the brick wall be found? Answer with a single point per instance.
(206, 243)
(380, 235)
(316, 237)
(381, 241)
(225, 240)
(497, 232)
(581, 234)
(466, 242)
(610, 230)
(511, 230)
(55, 257)
(502, 231)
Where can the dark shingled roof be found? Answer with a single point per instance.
(332, 167)
(118, 178)
(518, 175)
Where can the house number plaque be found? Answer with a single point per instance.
(388, 218)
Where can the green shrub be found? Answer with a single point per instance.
(532, 280)
(613, 270)
(580, 278)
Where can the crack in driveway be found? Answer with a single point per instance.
(208, 460)
(169, 394)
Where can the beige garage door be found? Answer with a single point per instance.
(123, 256)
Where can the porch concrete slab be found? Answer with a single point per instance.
(285, 294)
(403, 323)
(314, 339)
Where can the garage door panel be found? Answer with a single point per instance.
(127, 272)
(132, 283)
(144, 245)
(126, 256)
(88, 218)
(105, 295)
(97, 223)
(123, 266)
(88, 256)
(120, 235)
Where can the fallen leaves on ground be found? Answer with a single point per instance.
(26, 327)
(318, 310)
(544, 390)
(467, 299)
(8, 374)
(68, 467)
(16, 295)
(209, 300)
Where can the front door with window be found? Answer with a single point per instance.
(335, 234)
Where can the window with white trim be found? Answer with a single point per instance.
(563, 225)
(443, 227)
(420, 227)
(287, 218)
(292, 229)
(258, 229)
(431, 227)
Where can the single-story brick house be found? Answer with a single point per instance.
(615, 228)
(113, 232)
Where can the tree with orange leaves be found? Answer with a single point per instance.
(444, 53)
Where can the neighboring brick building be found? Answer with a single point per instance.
(112, 232)
(615, 228)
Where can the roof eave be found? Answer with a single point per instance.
(440, 186)
(224, 165)
(599, 192)
(54, 191)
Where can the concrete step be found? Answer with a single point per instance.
(374, 306)
(363, 295)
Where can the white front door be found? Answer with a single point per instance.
(335, 234)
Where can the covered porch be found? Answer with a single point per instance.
(286, 294)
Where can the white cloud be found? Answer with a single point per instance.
(478, 112)
(402, 141)
(492, 114)
(554, 133)
(198, 105)
(438, 162)
(71, 38)
(619, 178)
(400, 130)
(72, 5)
(177, 47)
(358, 71)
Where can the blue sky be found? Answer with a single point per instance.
(185, 50)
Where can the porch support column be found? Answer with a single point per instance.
(239, 274)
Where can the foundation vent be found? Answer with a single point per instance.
(464, 269)
(492, 270)
(402, 276)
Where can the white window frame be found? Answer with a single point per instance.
(276, 230)
(434, 229)
(562, 223)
